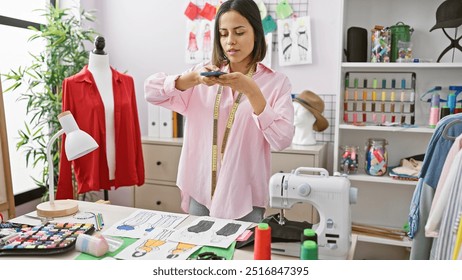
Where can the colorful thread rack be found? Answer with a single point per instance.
(379, 98)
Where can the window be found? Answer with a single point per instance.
(15, 51)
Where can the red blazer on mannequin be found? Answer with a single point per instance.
(81, 97)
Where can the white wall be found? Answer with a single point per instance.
(148, 36)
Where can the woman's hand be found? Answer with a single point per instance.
(208, 80)
(194, 78)
(238, 82)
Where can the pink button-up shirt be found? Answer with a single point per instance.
(244, 172)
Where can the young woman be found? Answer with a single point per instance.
(233, 121)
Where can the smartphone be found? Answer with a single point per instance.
(212, 73)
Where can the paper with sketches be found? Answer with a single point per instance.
(208, 231)
(142, 222)
(294, 40)
(199, 41)
(155, 246)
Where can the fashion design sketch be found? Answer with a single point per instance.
(208, 231)
(142, 222)
(206, 40)
(192, 48)
(156, 246)
(199, 41)
(294, 41)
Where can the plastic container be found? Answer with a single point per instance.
(95, 245)
(376, 163)
(114, 243)
(349, 159)
(380, 44)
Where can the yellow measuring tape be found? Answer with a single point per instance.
(229, 124)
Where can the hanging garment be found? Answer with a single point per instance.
(81, 97)
(432, 166)
(446, 240)
(441, 197)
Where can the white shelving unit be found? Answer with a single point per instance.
(383, 201)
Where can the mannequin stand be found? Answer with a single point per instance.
(454, 44)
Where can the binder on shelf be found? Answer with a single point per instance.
(153, 120)
(177, 125)
(166, 122)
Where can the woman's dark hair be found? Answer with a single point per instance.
(249, 10)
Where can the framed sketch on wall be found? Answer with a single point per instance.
(6, 189)
(294, 40)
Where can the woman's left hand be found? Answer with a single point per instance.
(237, 81)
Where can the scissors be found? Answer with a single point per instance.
(209, 256)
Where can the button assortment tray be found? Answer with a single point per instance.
(49, 238)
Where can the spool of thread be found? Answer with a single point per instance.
(434, 116)
(435, 100)
(458, 109)
(262, 246)
(444, 112)
(309, 250)
(93, 245)
(310, 234)
(451, 103)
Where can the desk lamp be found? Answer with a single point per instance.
(78, 143)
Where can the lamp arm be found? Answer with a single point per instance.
(51, 173)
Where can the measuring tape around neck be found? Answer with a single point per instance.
(229, 124)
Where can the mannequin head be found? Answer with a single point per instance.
(100, 43)
(308, 109)
(303, 122)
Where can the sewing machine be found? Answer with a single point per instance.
(330, 195)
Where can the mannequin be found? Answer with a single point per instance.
(303, 122)
(100, 68)
(103, 102)
(308, 109)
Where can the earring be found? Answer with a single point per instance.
(225, 60)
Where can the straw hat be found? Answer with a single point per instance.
(313, 103)
(449, 14)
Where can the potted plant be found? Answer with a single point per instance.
(64, 55)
